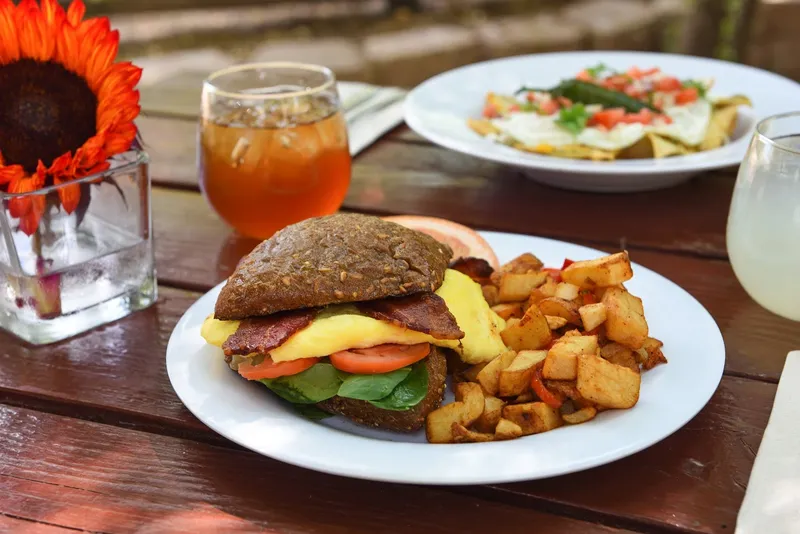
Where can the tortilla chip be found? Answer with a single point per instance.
(501, 103)
(642, 149)
(482, 127)
(735, 100)
(570, 151)
(664, 147)
(720, 127)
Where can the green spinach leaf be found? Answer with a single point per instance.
(313, 385)
(309, 411)
(372, 387)
(409, 392)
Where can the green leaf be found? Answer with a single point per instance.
(313, 385)
(309, 411)
(700, 86)
(599, 69)
(573, 118)
(372, 387)
(409, 392)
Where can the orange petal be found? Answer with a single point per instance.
(69, 194)
(10, 173)
(53, 13)
(100, 60)
(35, 40)
(68, 48)
(29, 222)
(121, 139)
(59, 166)
(121, 77)
(9, 41)
(75, 12)
(19, 206)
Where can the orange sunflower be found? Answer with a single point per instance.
(65, 106)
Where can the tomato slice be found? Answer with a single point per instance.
(667, 84)
(644, 116)
(548, 107)
(379, 359)
(270, 369)
(686, 96)
(584, 76)
(607, 117)
(490, 111)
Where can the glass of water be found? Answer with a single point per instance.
(764, 221)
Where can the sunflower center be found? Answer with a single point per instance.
(45, 111)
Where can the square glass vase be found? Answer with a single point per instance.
(76, 271)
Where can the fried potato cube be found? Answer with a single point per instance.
(528, 396)
(607, 384)
(561, 362)
(580, 416)
(533, 417)
(601, 272)
(548, 289)
(508, 310)
(654, 355)
(516, 378)
(555, 322)
(507, 430)
(471, 373)
(471, 395)
(625, 322)
(439, 423)
(466, 410)
(568, 389)
(489, 376)
(492, 412)
(560, 308)
(524, 263)
(515, 287)
(462, 434)
(566, 291)
(620, 355)
(490, 294)
(592, 315)
(530, 333)
(512, 321)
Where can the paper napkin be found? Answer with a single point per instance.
(772, 501)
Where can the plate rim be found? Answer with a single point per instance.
(729, 155)
(466, 450)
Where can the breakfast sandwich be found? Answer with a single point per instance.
(353, 314)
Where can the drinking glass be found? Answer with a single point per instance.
(764, 220)
(273, 145)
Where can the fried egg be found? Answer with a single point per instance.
(689, 125)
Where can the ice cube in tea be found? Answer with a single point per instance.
(267, 166)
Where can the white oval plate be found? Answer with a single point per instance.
(438, 109)
(248, 414)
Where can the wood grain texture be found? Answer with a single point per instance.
(23, 526)
(695, 475)
(95, 477)
(201, 254)
(417, 178)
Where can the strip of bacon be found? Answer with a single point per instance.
(421, 312)
(263, 334)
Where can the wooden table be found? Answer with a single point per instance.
(94, 439)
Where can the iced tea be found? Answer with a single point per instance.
(273, 156)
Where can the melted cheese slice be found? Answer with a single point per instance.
(343, 327)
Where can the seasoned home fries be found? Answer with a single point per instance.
(602, 114)
(577, 343)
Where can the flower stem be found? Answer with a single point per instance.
(45, 289)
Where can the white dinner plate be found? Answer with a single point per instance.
(438, 109)
(250, 415)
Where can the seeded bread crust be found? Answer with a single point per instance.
(411, 420)
(329, 260)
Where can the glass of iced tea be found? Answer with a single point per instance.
(273, 145)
